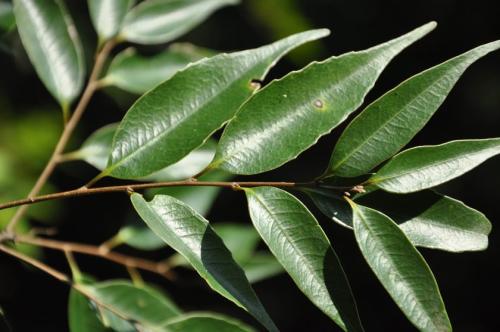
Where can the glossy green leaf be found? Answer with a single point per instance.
(261, 266)
(123, 304)
(297, 241)
(136, 73)
(161, 21)
(83, 314)
(97, 148)
(7, 20)
(136, 234)
(428, 219)
(189, 233)
(107, 16)
(180, 114)
(51, 41)
(432, 220)
(204, 322)
(428, 166)
(401, 269)
(390, 122)
(302, 107)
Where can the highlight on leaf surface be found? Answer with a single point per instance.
(303, 106)
(390, 122)
(180, 114)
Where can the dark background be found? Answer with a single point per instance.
(468, 282)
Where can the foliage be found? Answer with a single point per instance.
(167, 137)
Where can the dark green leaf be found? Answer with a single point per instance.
(122, 305)
(428, 166)
(189, 233)
(240, 239)
(160, 21)
(107, 16)
(7, 20)
(432, 220)
(51, 41)
(83, 314)
(297, 241)
(401, 269)
(205, 322)
(97, 148)
(290, 115)
(180, 114)
(390, 122)
(137, 74)
(428, 219)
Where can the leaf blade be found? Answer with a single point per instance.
(137, 74)
(312, 276)
(303, 106)
(401, 269)
(191, 106)
(159, 21)
(391, 121)
(107, 16)
(51, 41)
(205, 322)
(190, 234)
(424, 167)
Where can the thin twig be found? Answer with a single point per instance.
(61, 277)
(127, 261)
(84, 191)
(67, 132)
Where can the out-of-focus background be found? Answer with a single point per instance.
(30, 123)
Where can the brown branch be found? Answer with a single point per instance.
(128, 261)
(59, 276)
(67, 132)
(84, 191)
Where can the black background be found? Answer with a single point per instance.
(468, 282)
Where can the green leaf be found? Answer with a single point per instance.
(83, 314)
(261, 266)
(123, 304)
(428, 219)
(205, 322)
(302, 107)
(7, 20)
(428, 166)
(180, 114)
(51, 41)
(189, 233)
(136, 73)
(297, 241)
(161, 21)
(107, 16)
(432, 220)
(401, 269)
(391, 121)
(97, 148)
